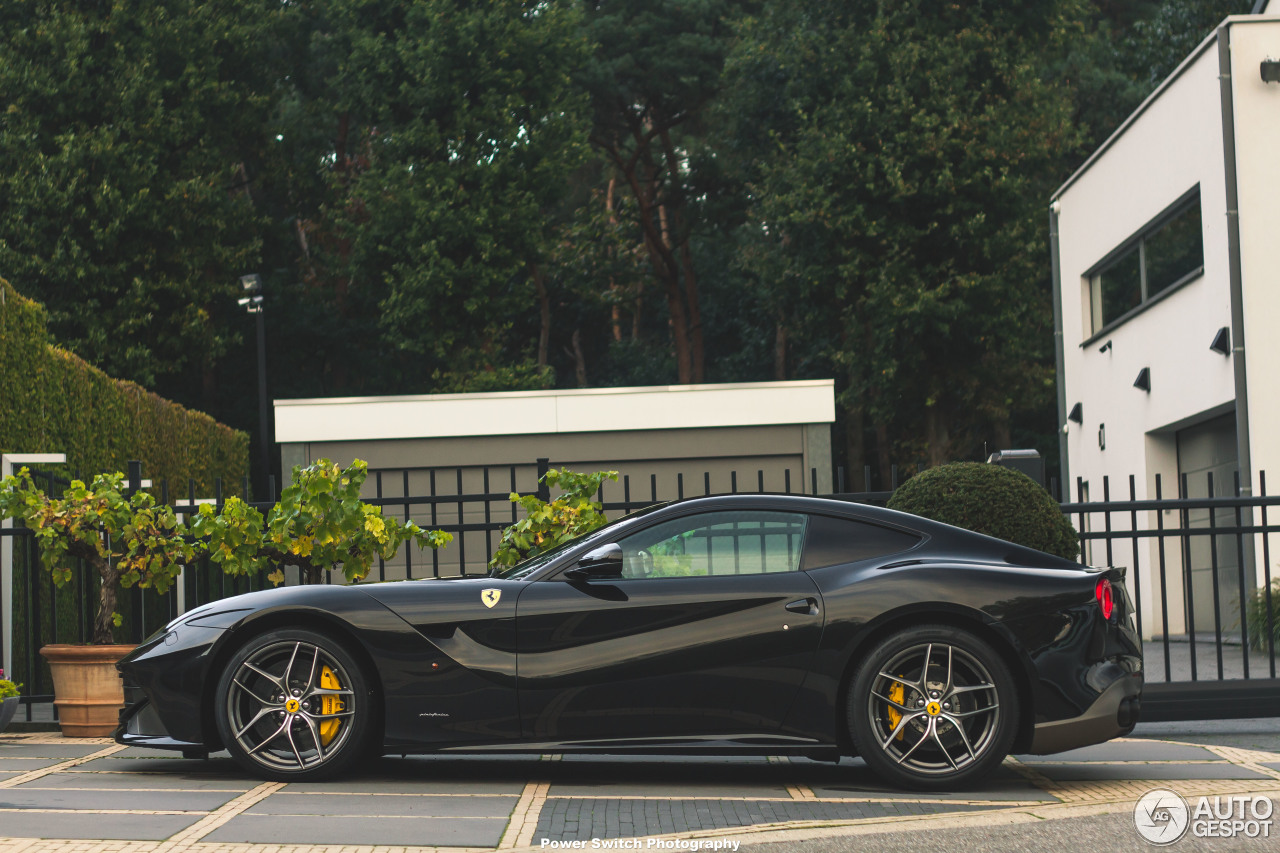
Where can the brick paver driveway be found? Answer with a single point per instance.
(96, 796)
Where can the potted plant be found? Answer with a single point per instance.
(127, 541)
(9, 694)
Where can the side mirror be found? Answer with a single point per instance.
(603, 562)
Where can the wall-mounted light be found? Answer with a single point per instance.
(1102, 436)
(1222, 342)
(1270, 70)
(1144, 379)
(1077, 414)
(1105, 346)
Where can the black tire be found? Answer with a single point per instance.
(938, 728)
(280, 714)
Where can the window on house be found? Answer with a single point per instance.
(1166, 253)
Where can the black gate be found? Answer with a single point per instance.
(1199, 568)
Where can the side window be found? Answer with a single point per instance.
(833, 541)
(716, 543)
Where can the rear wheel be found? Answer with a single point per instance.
(933, 707)
(293, 705)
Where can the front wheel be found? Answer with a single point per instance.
(292, 705)
(933, 708)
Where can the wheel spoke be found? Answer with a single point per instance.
(924, 671)
(328, 691)
(994, 706)
(315, 736)
(262, 712)
(970, 689)
(896, 705)
(963, 737)
(904, 683)
(268, 676)
(948, 685)
(335, 715)
(923, 737)
(311, 677)
(241, 685)
(288, 732)
(288, 670)
(284, 727)
(937, 738)
(902, 724)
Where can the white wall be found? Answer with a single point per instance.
(1257, 108)
(1173, 142)
(1172, 145)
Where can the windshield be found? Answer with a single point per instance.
(532, 564)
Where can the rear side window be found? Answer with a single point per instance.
(832, 541)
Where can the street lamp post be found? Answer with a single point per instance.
(253, 304)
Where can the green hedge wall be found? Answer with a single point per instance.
(53, 402)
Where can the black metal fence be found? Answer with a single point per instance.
(1199, 569)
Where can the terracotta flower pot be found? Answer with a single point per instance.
(86, 687)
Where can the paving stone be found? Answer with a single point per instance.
(101, 827)
(383, 785)
(26, 765)
(709, 789)
(384, 805)
(413, 831)
(47, 750)
(150, 752)
(1128, 751)
(568, 819)
(126, 781)
(56, 798)
(164, 766)
(1111, 772)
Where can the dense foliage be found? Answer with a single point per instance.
(319, 524)
(53, 402)
(445, 195)
(548, 524)
(993, 500)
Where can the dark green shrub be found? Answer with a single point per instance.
(990, 499)
(53, 402)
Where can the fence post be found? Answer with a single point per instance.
(544, 491)
(9, 462)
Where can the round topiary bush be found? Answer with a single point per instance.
(990, 499)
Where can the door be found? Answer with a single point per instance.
(1203, 450)
(709, 632)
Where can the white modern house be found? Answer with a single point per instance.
(1166, 264)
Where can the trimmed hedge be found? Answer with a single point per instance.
(54, 402)
(990, 499)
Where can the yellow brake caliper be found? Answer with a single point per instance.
(329, 705)
(897, 694)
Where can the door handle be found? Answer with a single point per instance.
(807, 606)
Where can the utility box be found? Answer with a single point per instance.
(1028, 462)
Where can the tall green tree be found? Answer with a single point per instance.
(454, 128)
(903, 152)
(127, 204)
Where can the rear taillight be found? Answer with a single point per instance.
(1102, 592)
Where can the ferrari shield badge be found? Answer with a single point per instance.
(490, 596)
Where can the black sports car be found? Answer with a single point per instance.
(743, 623)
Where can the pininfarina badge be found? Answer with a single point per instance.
(490, 596)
